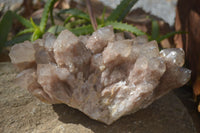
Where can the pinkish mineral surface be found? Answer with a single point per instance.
(103, 75)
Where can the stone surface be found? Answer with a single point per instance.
(103, 77)
(99, 39)
(22, 113)
(164, 9)
(23, 55)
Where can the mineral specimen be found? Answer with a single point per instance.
(103, 75)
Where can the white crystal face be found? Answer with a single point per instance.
(174, 55)
(103, 75)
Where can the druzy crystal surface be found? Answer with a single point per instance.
(104, 75)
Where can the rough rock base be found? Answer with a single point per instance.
(20, 112)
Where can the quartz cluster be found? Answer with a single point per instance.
(105, 75)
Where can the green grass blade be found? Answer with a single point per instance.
(67, 19)
(127, 9)
(121, 10)
(47, 8)
(22, 20)
(33, 24)
(170, 35)
(51, 16)
(125, 27)
(18, 39)
(5, 27)
(56, 29)
(76, 13)
(76, 23)
(25, 31)
(83, 30)
(36, 34)
(103, 16)
(155, 30)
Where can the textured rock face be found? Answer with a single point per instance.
(105, 75)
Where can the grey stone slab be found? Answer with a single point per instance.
(21, 112)
(165, 9)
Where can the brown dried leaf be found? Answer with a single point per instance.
(199, 107)
(196, 87)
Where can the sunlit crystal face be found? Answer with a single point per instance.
(103, 75)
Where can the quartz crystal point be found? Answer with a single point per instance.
(103, 75)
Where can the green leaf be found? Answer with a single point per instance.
(22, 20)
(47, 8)
(5, 27)
(25, 31)
(155, 30)
(103, 16)
(33, 24)
(18, 39)
(83, 30)
(6, 24)
(125, 27)
(75, 13)
(56, 29)
(121, 10)
(67, 19)
(127, 10)
(76, 23)
(170, 35)
(36, 34)
(51, 16)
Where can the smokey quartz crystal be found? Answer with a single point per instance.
(103, 75)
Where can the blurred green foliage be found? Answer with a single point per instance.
(80, 26)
